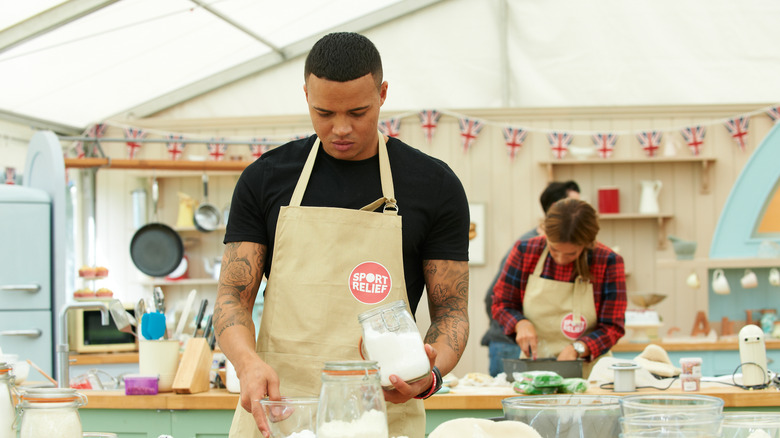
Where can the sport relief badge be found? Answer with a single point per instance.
(571, 329)
(370, 282)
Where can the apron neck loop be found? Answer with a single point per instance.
(385, 175)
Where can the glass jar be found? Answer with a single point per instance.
(7, 413)
(391, 338)
(352, 404)
(50, 412)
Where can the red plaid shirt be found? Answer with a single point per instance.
(609, 289)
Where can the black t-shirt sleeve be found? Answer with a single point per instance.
(247, 219)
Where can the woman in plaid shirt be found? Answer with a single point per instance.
(563, 295)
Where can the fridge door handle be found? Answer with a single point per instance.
(32, 333)
(21, 288)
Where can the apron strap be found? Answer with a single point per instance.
(540, 263)
(386, 177)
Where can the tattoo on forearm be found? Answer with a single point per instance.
(448, 290)
(242, 272)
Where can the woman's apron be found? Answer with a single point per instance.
(316, 291)
(561, 312)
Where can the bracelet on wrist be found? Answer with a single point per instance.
(435, 385)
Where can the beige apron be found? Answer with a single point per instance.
(554, 307)
(311, 299)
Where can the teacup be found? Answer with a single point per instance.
(749, 280)
(693, 281)
(720, 285)
(774, 277)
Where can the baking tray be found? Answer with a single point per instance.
(564, 368)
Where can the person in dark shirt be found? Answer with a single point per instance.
(500, 346)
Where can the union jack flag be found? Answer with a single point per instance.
(605, 144)
(694, 137)
(429, 120)
(514, 138)
(299, 137)
(95, 131)
(469, 130)
(258, 148)
(217, 149)
(774, 113)
(10, 175)
(133, 146)
(650, 141)
(738, 128)
(175, 146)
(559, 142)
(391, 127)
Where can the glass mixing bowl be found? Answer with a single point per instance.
(291, 415)
(567, 415)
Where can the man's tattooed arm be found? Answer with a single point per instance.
(239, 281)
(447, 283)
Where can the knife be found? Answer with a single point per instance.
(209, 326)
(199, 318)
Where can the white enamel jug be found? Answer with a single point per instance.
(648, 203)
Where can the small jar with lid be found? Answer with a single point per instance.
(7, 412)
(391, 338)
(50, 412)
(352, 404)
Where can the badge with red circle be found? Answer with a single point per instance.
(370, 282)
(571, 329)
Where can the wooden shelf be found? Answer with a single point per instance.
(705, 164)
(721, 345)
(662, 218)
(723, 263)
(109, 163)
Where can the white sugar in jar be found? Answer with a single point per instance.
(391, 338)
(51, 412)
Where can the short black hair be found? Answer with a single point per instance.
(556, 191)
(343, 57)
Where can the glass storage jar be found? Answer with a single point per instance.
(391, 338)
(352, 404)
(50, 412)
(7, 412)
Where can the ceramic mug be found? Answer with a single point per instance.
(774, 277)
(693, 281)
(749, 280)
(720, 285)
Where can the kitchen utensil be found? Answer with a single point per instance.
(774, 277)
(182, 271)
(206, 216)
(209, 326)
(693, 281)
(567, 415)
(156, 249)
(192, 376)
(214, 268)
(159, 358)
(153, 326)
(648, 202)
(185, 313)
(564, 368)
(624, 376)
(720, 285)
(291, 416)
(199, 317)
(212, 338)
(159, 299)
(226, 213)
(120, 315)
(43, 373)
(749, 280)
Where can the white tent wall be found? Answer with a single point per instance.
(559, 53)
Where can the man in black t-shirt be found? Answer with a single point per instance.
(344, 89)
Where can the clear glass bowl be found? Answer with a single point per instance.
(703, 423)
(291, 415)
(671, 403)
(567, 415)
(745, 424)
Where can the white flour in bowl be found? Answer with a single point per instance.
(303, 434)
(372, 424)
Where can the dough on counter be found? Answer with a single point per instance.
(483, 428)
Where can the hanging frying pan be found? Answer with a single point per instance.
(206, 216)
(156, 249)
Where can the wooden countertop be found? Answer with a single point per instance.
(771, 344)
(220, 399)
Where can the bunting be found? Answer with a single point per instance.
(514, 138)
(391, 127)
(694, 137)
(650, 142)
(559, 142)
(258, 148)
(429, 119)
(95, 131)
(738, 128)
(133, 146)
(469, 130)
(10, 175)
(217, 149)
(774, 113)
(175, 146)
(605, 144)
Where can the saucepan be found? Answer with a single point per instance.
(206, 216)
(156, 249)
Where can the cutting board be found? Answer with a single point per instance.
(192, 376)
